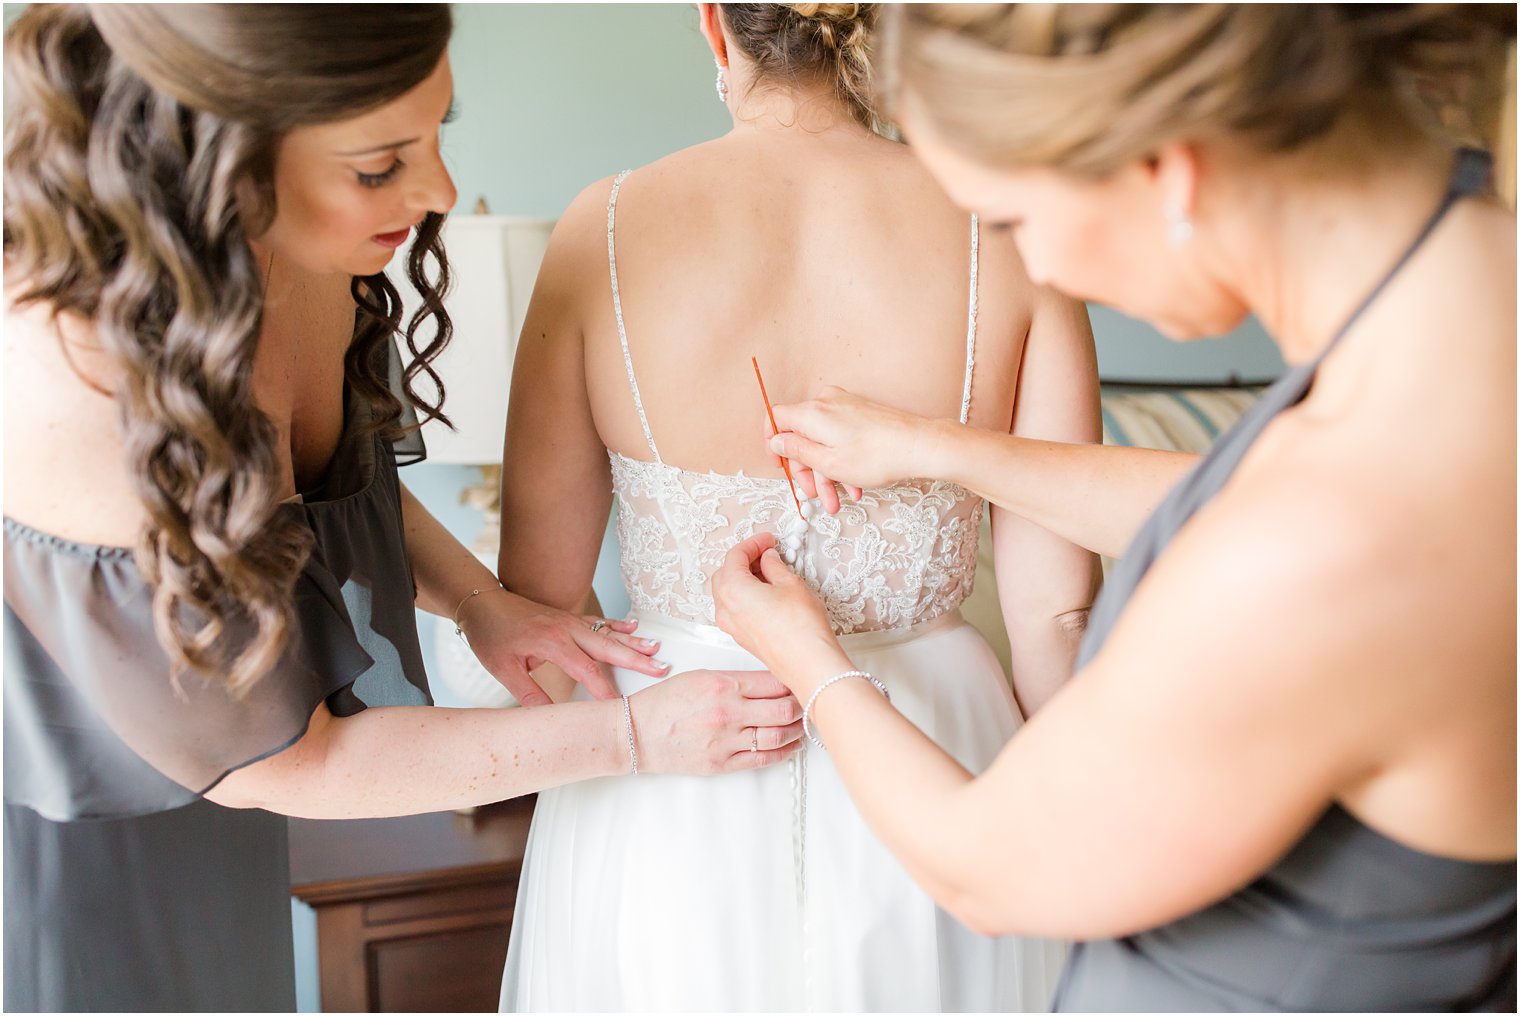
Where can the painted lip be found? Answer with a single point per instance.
(392, 240)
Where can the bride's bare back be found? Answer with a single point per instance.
(832, 258)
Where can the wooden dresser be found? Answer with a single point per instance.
(413, 913)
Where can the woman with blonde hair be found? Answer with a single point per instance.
(804, 240)
(211, 565)
(1284, 774)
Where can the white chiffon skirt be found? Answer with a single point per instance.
(765, 890)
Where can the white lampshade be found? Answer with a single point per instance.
(494, 260)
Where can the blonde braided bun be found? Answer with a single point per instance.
(794, 42)
(1087, 88)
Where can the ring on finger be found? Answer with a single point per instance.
(598, 624)
(754, 738)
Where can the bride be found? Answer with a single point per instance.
(808, 241)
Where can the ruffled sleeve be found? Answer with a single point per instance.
(94, 728)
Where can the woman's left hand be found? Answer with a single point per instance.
(773, 614)
(511, 635)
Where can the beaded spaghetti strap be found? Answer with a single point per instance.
(617, 311)
(971, 321)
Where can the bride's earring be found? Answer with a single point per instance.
(722, 83)
(1179, 226)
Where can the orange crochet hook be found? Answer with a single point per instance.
(786, 466)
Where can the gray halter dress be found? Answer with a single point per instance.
(124, 888)
(1348, 919)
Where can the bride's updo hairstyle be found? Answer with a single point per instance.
(810, 42)
(1087, 88)
(140, 145)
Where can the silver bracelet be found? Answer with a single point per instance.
(633, 749)
(807, 710)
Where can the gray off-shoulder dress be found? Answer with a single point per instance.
(1348, 919)
(124, 888)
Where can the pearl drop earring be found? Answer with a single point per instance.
(1180, 227)
(722, 83)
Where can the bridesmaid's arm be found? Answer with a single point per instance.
(1045, 583)
(1171, 771)
(1095, 496)
(404, 760)
(444, 569)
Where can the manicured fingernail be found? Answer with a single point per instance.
(651, 644)
(778, 445)
(662, 664)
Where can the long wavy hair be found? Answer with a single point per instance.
(140, 145)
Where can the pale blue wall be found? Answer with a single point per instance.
(1130, 350)
(553, 97)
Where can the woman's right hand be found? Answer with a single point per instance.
(843, 437)
(704, 722)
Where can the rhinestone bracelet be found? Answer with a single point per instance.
(633, 749)
(807, 710)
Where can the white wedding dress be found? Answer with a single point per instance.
(765, 890)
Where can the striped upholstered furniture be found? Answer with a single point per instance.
(1173, 417)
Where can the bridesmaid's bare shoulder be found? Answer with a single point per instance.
(65, 470)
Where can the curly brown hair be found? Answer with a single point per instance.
(140, 145)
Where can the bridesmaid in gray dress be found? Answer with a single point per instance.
(1283, 777)
(211, 566)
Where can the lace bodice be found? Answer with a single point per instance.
(899, 556)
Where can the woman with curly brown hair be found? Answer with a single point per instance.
(804, 239)
(1283, 777)
(211, 567)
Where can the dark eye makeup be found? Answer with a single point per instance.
(388, 174)
(382, 178)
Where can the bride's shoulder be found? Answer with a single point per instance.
(590, 205)
(579, 240)
(696, 172)
(588, 213)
